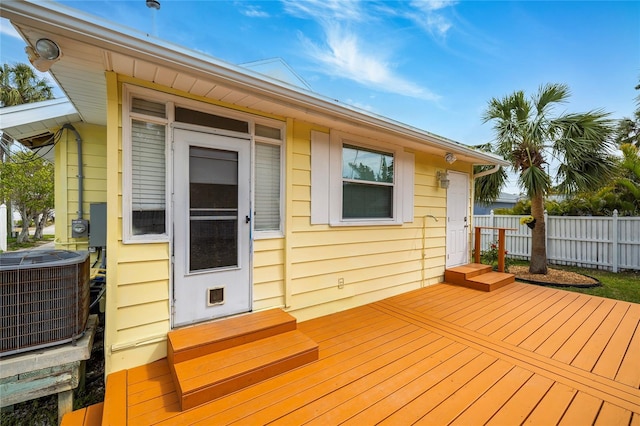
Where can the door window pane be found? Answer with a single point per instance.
(213, 208)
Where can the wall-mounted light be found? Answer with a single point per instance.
(153, 4)
(443, 178)
(450, 158)
(45, 54)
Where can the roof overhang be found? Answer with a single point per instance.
(92, 46)
(32, 124)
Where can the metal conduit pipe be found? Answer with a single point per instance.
(80, 176)
(79, 226)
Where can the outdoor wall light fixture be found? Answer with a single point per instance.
(443, 178)
(450, 158)
(153, 4)
(45, 54)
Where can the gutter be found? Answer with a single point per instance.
(487, 172)
(110, 36)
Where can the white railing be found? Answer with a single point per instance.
(599, 242)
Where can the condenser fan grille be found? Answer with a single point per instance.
(44, 299)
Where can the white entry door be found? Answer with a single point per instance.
(212, 232)
(457, 219)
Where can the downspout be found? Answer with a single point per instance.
(80, 175)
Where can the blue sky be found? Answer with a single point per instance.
(429, 64)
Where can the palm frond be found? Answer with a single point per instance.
(487, 188)
(550, 94)
(535, 181)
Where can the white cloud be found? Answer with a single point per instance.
(428, 14)
(326, 10)
(254, 12)
(345, 56)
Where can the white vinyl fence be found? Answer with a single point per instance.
(598, 242)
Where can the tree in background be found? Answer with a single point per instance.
(529, 135)
(19, 85)
(628, 130)
(28, 181)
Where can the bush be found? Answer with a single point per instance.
(490, 257)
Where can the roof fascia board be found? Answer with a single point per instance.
(24, 114)
(109, 36)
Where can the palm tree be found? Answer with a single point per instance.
(19, 84)
(530, 135)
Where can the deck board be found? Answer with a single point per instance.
(444, 354)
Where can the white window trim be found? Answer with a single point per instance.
(127, 164)
(131, 91)
(336, 142)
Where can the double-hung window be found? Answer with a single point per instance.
(357, 181)
(367, 183)
(145, 158)
(268, 180)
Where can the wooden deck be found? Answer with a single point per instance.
(439, 355)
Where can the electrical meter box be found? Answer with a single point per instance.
(98, 232)
(79, 228)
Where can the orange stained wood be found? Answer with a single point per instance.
(501, 244)
(444, 354)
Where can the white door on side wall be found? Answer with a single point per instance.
(211, 277)
(458, 219)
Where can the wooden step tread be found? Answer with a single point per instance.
(470, 269)
(199, 340)
(87, 416)
(214, 375)
(492, 277)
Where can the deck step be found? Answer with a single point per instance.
(491, 281)
(193, 342)
(478, 277)
(211, 376)
(459, 274)
(87, 416)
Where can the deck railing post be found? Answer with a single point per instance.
(476, 246)
(501, 247)
(614, 242)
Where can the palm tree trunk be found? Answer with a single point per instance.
(538, 263)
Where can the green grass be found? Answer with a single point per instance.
(620, 285)
(12, 245)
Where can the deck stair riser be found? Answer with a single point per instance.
(193, 342)
(212, 376)
(212, 360)
(478, 276)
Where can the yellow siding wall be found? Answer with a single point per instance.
(138, 310)
(299, 272)
(94, 154)
(375, 261)
(268, 274)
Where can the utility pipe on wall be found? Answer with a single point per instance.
(79, 226)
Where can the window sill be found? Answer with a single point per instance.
(361, 222)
